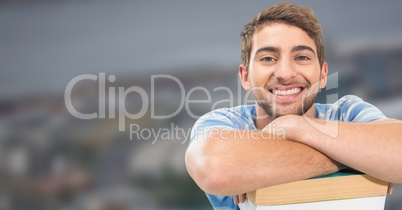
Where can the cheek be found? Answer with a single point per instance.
(314, 80)
(259, 76)
(313, 77)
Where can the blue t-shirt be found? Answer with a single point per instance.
(347, 109)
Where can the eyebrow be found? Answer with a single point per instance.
(294, 49)
(268, 49)
(301, 48)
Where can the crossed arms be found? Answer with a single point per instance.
(223, 163)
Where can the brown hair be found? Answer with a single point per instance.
(291, 14)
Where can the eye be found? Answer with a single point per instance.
(302, 58)
(268, 59)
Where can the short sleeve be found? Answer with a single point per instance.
(357, 110)
(349, 108)
(215, 119)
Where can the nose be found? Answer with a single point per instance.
(285, 71)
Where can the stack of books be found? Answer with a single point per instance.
(346, 190)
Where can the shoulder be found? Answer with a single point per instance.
(349, 108)
(236, 118)
(238, 114)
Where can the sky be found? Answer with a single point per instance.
(44, 44)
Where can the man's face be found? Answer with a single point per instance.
(284, 71)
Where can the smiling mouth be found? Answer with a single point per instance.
(286, 91)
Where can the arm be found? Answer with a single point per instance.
(374, 148)
(235, 162)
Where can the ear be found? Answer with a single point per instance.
(243, 74)
(324, 74)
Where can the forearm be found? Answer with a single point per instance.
(373, 148)
(230, 166)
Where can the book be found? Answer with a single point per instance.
(348, 188)
(366, 203)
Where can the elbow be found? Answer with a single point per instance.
(393, 178)
(208, 174)
(215, 182)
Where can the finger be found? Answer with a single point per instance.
(242, 198)
(390, 188)
(236, 199)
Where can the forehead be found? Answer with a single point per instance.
(281, 35)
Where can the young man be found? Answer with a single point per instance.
(285, 136)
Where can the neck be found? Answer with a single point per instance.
(263, 120)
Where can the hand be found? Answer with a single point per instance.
(283, 127)
(239, 198)
(390, 188)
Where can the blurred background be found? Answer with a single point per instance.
(50, 159)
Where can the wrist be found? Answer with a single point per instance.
(288, 127)
(294, 127)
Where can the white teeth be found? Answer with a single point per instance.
(286, 92)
